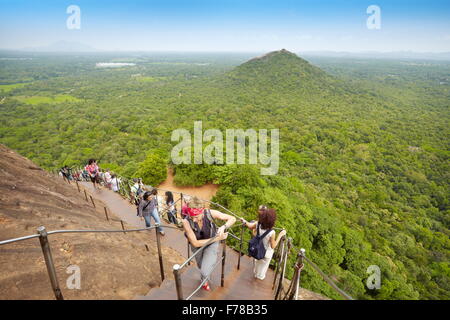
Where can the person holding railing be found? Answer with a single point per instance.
(169, 206)
(263, 227)
(200, 229)
(148, 209)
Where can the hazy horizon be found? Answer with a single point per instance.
(49, 49)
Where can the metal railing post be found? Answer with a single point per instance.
(85, 195)
(283, 270)
(240, 246)
(78, 186)
(188, 251)
(292, 292)
(106, 214)
(181, 205)
(92, 200)
(300, 267)
(176, 274)
(43, 239)
(278, 256)
(158, 242)
(123, 227)
(224, 255)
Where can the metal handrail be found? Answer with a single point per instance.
(81, 231)
(177, 268)
(206, 279)
(280, 252)
(283, 262)
(328, 280)
(283, 257)
(19, 239)
(46, 251)
(293, 290)
(197, 252)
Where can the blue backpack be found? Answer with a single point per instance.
(256, 247)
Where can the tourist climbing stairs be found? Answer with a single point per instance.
(232, 276)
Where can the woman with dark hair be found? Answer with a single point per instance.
(266, 221)
(148, 208)
(170, 207)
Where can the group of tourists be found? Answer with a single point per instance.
(198, 223)
(92, 172)
(100, 177)
(148, 204)
(200, 229)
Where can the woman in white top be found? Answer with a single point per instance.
(266, 221)
(115, 183)
(108, 178)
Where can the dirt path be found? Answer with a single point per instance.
(127, 212)
(206, 191)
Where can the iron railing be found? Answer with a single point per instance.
(177, 269)
(43, 234)
(280, 258)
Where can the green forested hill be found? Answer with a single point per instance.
(364, 166)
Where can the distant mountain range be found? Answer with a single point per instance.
(380, 55)
(62, 46)
(70, 46)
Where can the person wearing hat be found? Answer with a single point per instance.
(199, 228)
(148, 208)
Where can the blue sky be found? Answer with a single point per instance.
(219, 25)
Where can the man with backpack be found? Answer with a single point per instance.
(262, 245)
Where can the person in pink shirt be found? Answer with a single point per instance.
(93, 171)
(185, 206)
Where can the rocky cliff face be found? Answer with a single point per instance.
(113, 266)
